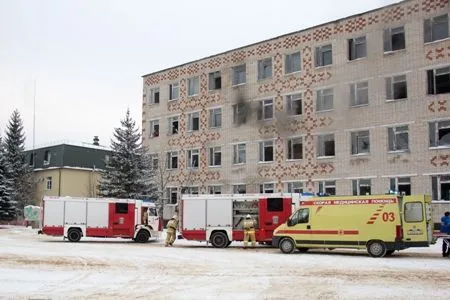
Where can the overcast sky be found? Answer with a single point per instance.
(87, 56)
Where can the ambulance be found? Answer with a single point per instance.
(379, 223)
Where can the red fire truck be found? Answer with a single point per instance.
(218, 219)
(74, 218)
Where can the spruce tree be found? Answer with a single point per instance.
(128, 172)
(7, 206)
(20, 173)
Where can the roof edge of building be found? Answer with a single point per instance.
(277, 37)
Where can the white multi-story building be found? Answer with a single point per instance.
(359, 105)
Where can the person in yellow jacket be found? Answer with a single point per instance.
(171, 231)
(249, 231)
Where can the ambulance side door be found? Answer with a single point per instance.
(299, 227)
(414, 221)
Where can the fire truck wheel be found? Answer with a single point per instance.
(74, 235)
(229, 243)
(287, 245)
(142, 236)
(219, 240)
(376, 249)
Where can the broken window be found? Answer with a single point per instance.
(357, 48)
(240, 112)
(266, 188)
(396, 87)
(194, 121)
(215, 117)
(265, 111)
(214, 189)
(359, 93)
(266, 151)
(439, 133)
(324, 55)
(398, 138)
(265, 68)
(402, 185)
(294, 104)
(172, 160)
(440, 186)
(295, 148)
(360, 142)
(239, 189)
(239, 75)
(172, 195)
(173, 125)
(361, 187)
(154, 128)
(154, 96)
(324, 99)
(215, 81)
(193, 86)
(436, 28)
(292, 63)
(394, 39)
(327, 187)
(295, 187)
(193, 158)
(174, 89)
(438, 81)
(239, 153)
(215, 156)
(325, 145)
(47, 156)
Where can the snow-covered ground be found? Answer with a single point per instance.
(40, 267)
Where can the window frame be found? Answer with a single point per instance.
(155, 96)
(352, 48)
(325, 185)
(153, 132)
(171, 120)
(212, 120)
(321, 99)
(355, 138)
(393, 132)
(264, 186)
(290, 148)
(236, 70)
(319, 58)
(436, 186)
(390, 82)
(262, 153)
(236, 189)
(431, 22)
(288, 64)
(49, 183)
(263, 104)
(212, 84)
(321, 139)
(292, 186)
(194, 83)
(171, 91)
(170, 156)
(396, 182)
(213, 188)
(169, 194)
(434, 133)
(212, 156)
(191, 163)
(388, 38)
(356, 90)
(356, 183)
(290, 100)
(237, 151)
(191, 116)
(263, 63)
(431, 81)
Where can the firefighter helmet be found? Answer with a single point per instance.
(247, 216)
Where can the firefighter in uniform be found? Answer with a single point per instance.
(249, 231)
(171, 230)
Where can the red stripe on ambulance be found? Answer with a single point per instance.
(336, 232)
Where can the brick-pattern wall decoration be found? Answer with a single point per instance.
(441, 160)
(437, 105)
(354, 25)
(439, 53)
(308, 79)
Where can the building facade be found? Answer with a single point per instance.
(355, 106)
(67, 169)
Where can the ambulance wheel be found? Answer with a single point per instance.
(287, 246)
(142, 236)
(219, 240)
(376, 249)
(74, 235)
